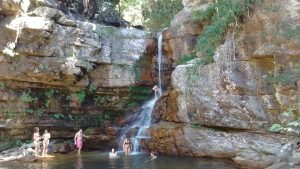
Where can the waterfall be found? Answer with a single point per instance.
(143, 120)
(159, 57)
(142, 123)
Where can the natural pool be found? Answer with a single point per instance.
(95, 160)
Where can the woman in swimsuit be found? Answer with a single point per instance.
(126, 146)
(36, 141)
(46, 138)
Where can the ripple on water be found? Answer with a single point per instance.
(96, 160)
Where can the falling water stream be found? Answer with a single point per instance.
(143, 120)
(159, 57)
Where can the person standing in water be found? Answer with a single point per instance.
(78, 140)
(36, 141)
(127, 146)
(46, 138)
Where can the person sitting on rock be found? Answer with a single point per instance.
(113, 154)
(156, 90)
(46, 138)
(36, 141)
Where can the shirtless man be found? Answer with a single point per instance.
(36, 141)
(78, 140)
(46, 138)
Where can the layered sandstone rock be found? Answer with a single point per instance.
(224, 108)
(62, 74)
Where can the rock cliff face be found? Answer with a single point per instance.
(224, 109)
(62, 74)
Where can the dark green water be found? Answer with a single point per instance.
(94, 160)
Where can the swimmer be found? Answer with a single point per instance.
(113, 154)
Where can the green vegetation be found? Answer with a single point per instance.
(92, 88)
(132, 104)
(10, 114)
(29, 111)
(104, 117)
(91, 120)
(140, 89)
(292, 127)
(48, 95)
(70, 117)
(81, 95)
(88, 66)
(286, 77)
(108, 32)
(272, 8)
(101, 99)
(68, 97)
(222, 15)
(287, 30)
(157, 14)
(275, 128)
(89, 131)
(289, 126)
(26, 97)
(38, 112)
(2, 86)
(58, 116)
(139, 66)
(139, 92)
(200, 15)
(196, 125)
(6, 144)
(185, 58)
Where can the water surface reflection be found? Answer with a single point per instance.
(96, 160)
(79, 163)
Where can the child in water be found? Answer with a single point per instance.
(153, 156)
(113, 154)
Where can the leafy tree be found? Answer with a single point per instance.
(157, 14)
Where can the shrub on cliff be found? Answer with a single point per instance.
(157, 14)
(222, 16)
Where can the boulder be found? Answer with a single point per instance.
(282, 165)
(14, 7)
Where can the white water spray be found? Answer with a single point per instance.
(143, 120)
(159, 58)
(143, 123)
